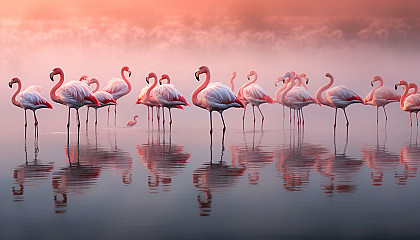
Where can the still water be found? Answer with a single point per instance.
(145, 182)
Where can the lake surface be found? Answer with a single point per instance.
(280, 182)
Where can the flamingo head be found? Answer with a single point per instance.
(202, 69)
(328, 75)
(83, 78)
(279, 79)
(93, 80)
(150, 75)
(55, 72)
(304, 77)
(136, 116)
(126, 69)
(374, 79)
(14, 80)
(163, 77)
(251, 73)
(287, 75)
(402, 82)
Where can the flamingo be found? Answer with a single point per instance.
(30, 98)
(279, 91)
(148, 98)
(337, 97)
(142, 100)
(168, 96)
(214, 96)
(104, 98)
(409, 103)
(74, 94)
(254, 94)
(296, 97)
(381, 96)
(117, 88)
(133, 122)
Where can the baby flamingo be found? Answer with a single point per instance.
(131, 122)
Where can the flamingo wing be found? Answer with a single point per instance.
(412, 103)
(255, 92)
(104, 97)
(218, 93)
(341, 96)
(299, 95)
(32, 99)
(142, 94)
(117, 87)
(387, 94)
(169, 95)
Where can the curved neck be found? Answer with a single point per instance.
(414, 87)
(168, 80)
(404, 96)
(194, 96)
(135, 119)
(126, 81)
(320, 90)
(151, 87)
(16, 103)
(97, 85)
(279, 91)
(231, 80)
(381, 83)
(288, 88)
(248, 83)
(53, 96)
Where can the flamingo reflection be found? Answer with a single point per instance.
(31, 173)
(253, 157)
(212, 178)
(409, 159)
(163, 161)
(296, 160)
(339, 169)
(380, 161)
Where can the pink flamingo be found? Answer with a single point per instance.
(149, 98)
(409, 103)
(254, 94)
(296, 97)
(30, 98)
(381, 96)
(168, 96)
(104, 98)
(279, 91)
(214, 97)
(414, 87)
(132, 122)
(74, 94)
(337, 97)
(142, 100)
(117, 88)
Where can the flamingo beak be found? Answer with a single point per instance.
(10, 84)
(396, 86)
(147, 80)
(307, 80)
(371, 84)
(129, 74)
(52, 76)
(275, 84)
(197, 75)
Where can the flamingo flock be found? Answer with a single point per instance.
(211, 96)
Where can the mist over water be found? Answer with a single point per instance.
(281, 181)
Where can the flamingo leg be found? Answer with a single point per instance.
(290, 115)
(115, 112)
(87, 116)
(262, 117)
(148, 117)
(243, 119)
(211, 123)
(386, 117)
(411, 123)
(96, 116)
(68, 119)
(417, 119)
(36, 120)
(152, 116)
(26, 120)
(346, 116)
(377, 115)
(163, 115)
(284, 115)
(335, 118)
(108, 116)
(303, 119)
(223, 121)
(78, 119)
(253, 112)
(170, 116)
